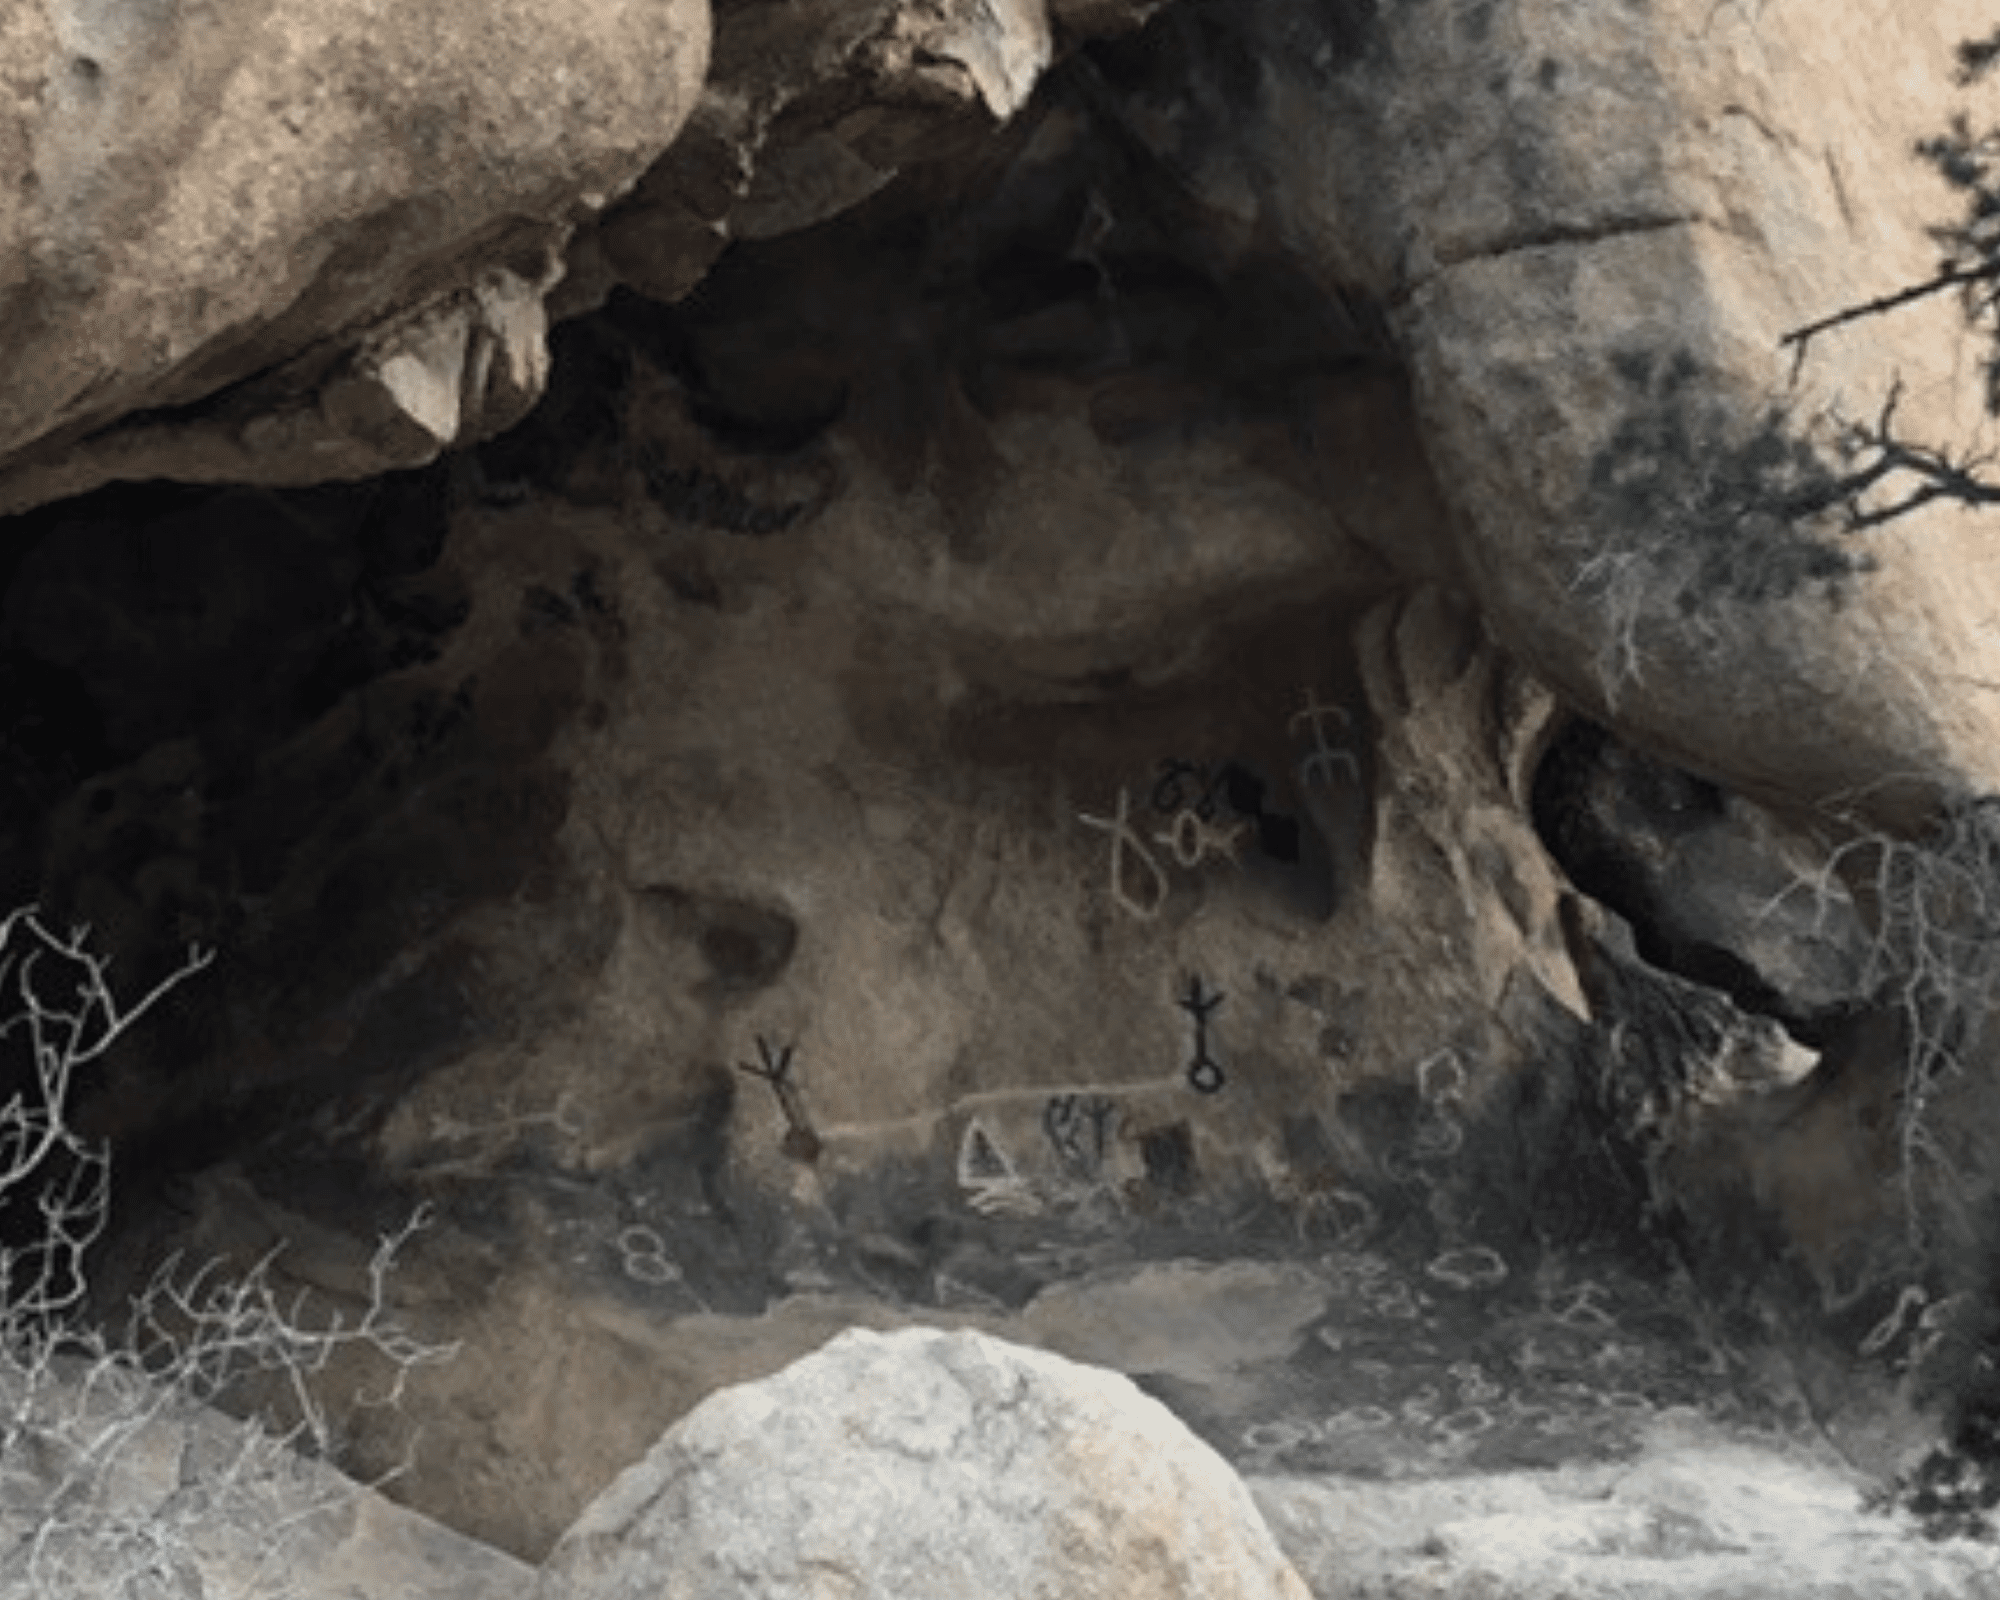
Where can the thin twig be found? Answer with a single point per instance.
(1951, 278)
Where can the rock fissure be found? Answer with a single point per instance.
(1557, 236)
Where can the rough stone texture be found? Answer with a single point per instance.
(1593, 226)
(411, 205)
(104, 1484)
(967, 756)
(768, 704)
(1701, 1515)
(1715, 885)
(352, 210)
(922, 1462)
(810, 109)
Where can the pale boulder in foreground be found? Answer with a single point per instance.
(925, 1464)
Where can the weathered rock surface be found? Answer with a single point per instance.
(809, 110)
(110, 1488)
(965, 764)
(344, 216)
(1699, 1516)
(1715, 887)
(413, 194)
(926, 1463)
(1594, 226)
(952, 758)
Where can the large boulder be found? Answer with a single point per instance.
(319, 245)
(1593, 227)
(809, 110)
(926, 1463)
(353, 210)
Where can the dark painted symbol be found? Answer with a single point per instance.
(1196, 795)
(1170, 791)
(1080, 1127)
(1205, 1075)
(775, 1068)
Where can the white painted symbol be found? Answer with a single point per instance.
(993, 1185)
(1125, 840)
(1324, 758)
(1886, 1332)
(1475, 1267)
(1192, 841)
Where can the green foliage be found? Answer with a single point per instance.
(1692, 513)
(1951, 1493)
(1969, 160)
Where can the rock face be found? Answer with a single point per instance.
(1700, 1516)
(113, 1488)
(811, 109)
(1595, 227)
(1717, 890)
(926, 1463)
(353, 213)
(1052, 691)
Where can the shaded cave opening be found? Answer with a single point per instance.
(1613, 818)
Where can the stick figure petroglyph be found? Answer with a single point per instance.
(775, 1068)
(1205, 1073)
(1324, 757)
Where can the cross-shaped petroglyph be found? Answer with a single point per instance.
(1324, 757)
(1125, 838)
(775, 1068)
(1205, 1073)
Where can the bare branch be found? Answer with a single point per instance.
(1950, 278)
(80, 1411)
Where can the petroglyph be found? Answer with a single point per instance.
(1475, 1267)
(993, 1185)
(1324, 760)
(1204, 1073)
(1080, 1129)
(1191, 841)
(800, 1143)
(1138, 883)
(1126, 842)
